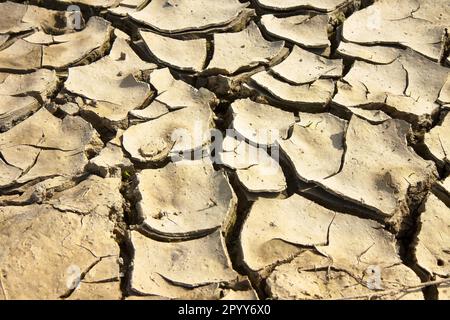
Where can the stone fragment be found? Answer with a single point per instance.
(382, 184)
(307, 278)
(246, 49)
(41, 82)
(177, 94)
(22, 94)
(183, 130)
(50, 254)
(250, 120)
(304, 30)
(13, 23)
(266, 239)
(71, 48)
(154, 110)
(308, 97)
(417, 24)
(31, 150)
(186, 55)
(40, 37)
(170, 269)
(174, 133)
(112, 84)
(231, 85)
(433, 239)
(22, 18)
(92, 195)
(370, 115)
(171, 16)
(184, 199)
(407, 88)
(36, 191)
(372, 54)
(15, 109)
(256, 170)
(374, 245)
(275, 230)
(111, 161)
(59, 52)
(367, 83)
(70, 108)
(302, 242)
(21, 55)
(302, 67)
(316, 147)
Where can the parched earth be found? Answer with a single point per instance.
(191, 149)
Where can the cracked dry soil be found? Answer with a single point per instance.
(346, 103)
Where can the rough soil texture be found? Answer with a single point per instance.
(190, 149)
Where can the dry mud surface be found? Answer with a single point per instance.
(128, 135)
